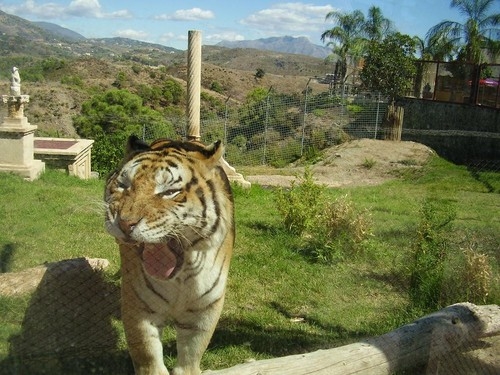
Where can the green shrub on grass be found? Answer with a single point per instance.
(430, 253)
(340, 231)
(332, 231)
(300, 204)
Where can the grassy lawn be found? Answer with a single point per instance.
(278, 302)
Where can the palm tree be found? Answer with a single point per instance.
(472, 35)
(377, 27)
(345, 39)
(435, 47)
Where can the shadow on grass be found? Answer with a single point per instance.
(68, 326)
(6, 255)
(486, 173)
(279, 341)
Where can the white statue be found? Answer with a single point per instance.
(15, 82)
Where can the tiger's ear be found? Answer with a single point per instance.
(135, 146)
(213, 153)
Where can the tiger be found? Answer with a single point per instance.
(170, 208)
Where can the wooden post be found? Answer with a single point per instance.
(424, 342)
(194, 84)
(393, 122)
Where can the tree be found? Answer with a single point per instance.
(109, 118)
(390, 65)
(346, 39)
(390, 68)
(350, 37)
(377, 27)
(260, 73)
(474, 34)
(435, 47)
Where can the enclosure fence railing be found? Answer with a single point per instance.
(458, 82)
(281, 128)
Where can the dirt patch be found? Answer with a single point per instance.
(361, 162)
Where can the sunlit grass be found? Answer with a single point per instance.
(278, 301)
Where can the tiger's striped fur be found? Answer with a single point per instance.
(170, 208)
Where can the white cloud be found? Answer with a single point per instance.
(84, 8)
(289, 18)
(76, 8)
(228, 35)
(132, 34)
(124, 13)
(171, 37)
(194, 14)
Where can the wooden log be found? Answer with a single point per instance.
(424, 341)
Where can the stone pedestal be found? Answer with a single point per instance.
(234, 176)
(16, 141)
(71, 155)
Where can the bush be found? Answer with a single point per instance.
(300, 204)
(429, 254)
(339, 233)
(332, 231)
(107, 153)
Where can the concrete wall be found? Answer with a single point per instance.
(458, 132)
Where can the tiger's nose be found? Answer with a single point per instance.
(127, 226)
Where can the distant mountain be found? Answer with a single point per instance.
(14, 26)
(60, 31)
(285, 44)
(132, 43)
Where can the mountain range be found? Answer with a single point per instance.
(13, 26)
(285, 44)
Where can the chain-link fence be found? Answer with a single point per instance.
(280, 128)
(277, 129)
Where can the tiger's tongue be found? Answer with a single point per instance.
(158, 260)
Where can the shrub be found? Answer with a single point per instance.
(331, 231)
(300, 204)
(369, 163)
(340, 232)
(217, 87)
(72, 80)
(260, 73)
(470, 276)
(429, 254)
(477, 276)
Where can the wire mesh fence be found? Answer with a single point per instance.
(280, 128)
(70, 323)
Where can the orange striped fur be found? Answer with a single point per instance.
(170, 208)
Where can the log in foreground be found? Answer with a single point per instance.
(424, 341)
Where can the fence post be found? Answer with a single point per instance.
(225, 122)
(376, 117)
(304, 118)
(266, 122)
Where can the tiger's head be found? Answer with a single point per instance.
(169, 198)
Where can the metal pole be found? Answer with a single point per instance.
(225, 123)
(265, 127)
(376, 117)
(194, 84)
(304, 118)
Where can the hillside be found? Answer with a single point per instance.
(95, 64)
(53, 104)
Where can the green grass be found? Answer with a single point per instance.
(278, 302)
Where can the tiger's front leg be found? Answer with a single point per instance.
(193, 339)
(143, 336)
(145, 347)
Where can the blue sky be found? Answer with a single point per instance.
(168, 22)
